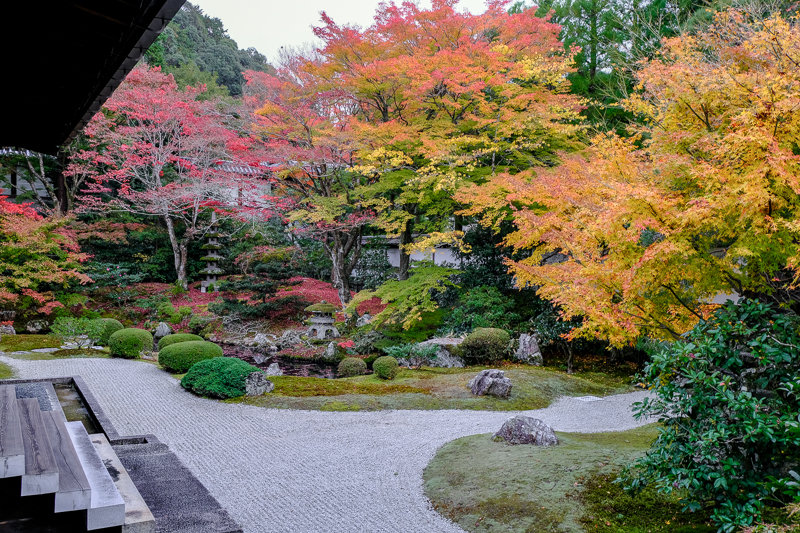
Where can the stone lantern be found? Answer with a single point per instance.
(321, 321)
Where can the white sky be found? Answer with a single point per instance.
(269, 24)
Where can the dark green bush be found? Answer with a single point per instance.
(351, 366)
(180, 357)
(218, 377)
(130, 342)
(728, 397)
(481, 307)
(175, 338)
(485, 346)
(385, 367)
(108, 327)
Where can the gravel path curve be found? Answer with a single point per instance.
(280, 470)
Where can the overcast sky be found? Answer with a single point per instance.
(269, 24)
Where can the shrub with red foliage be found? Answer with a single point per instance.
(315, 291)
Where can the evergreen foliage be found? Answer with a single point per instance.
(728, 397)
(175, 338)
(180, 357)
(129, 343)
(218, 377)
(196, 48)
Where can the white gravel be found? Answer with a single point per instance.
(306, 471)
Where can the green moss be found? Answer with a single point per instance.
(322, 307)
(336, 405)
(26, 343)
(610, 509)
(80, 352)
(432, 388)
(6, 372)
(304, 387)
(488, 486)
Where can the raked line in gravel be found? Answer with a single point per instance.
(277, 470)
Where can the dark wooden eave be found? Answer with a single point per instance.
(62, 59)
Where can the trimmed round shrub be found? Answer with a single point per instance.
(485, 346)
(385, 367)
(218, 377)
(175, 338)
(108, 326)
(351, 366)
(180, 357)
(130, 342)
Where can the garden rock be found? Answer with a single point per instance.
(260, 358)
(162, 330)
(290, 337)
(257, 384)
(528, 351)
(36, 326)
(491, 382)
(7, 329)
(273, 370)
(526, 430)
(444, 358)
(331, 354)
(363, 320)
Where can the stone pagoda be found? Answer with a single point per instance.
(212, 257)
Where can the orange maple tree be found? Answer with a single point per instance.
(642, 235)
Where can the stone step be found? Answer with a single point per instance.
(74, 492)
(107, 508)
(138, 518)
(12, 451)
(41, 470)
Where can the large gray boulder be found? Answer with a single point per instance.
(331, 354)
(491, 382)
(273, 370)
(528, 351)
(444, 357)
(289, 337)
(526, 430)
(7, 329)
(363, 320)
(36, 326)
(162, 330)
(257, 384)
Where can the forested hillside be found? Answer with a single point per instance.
(196, 48)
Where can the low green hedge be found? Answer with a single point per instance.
(180, 357)
(218, 377)
(485, 346)
(109, 327)
(385, 367)
(175, 338)
(351, 366)
(130, 342)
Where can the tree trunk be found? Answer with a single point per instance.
(180, 252)
(405, 258)
(594, 41)
(341, 278)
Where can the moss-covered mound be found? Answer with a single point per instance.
(176, 338)
(219, 377)
(130, 342)
(181, 356)
(109, 326)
